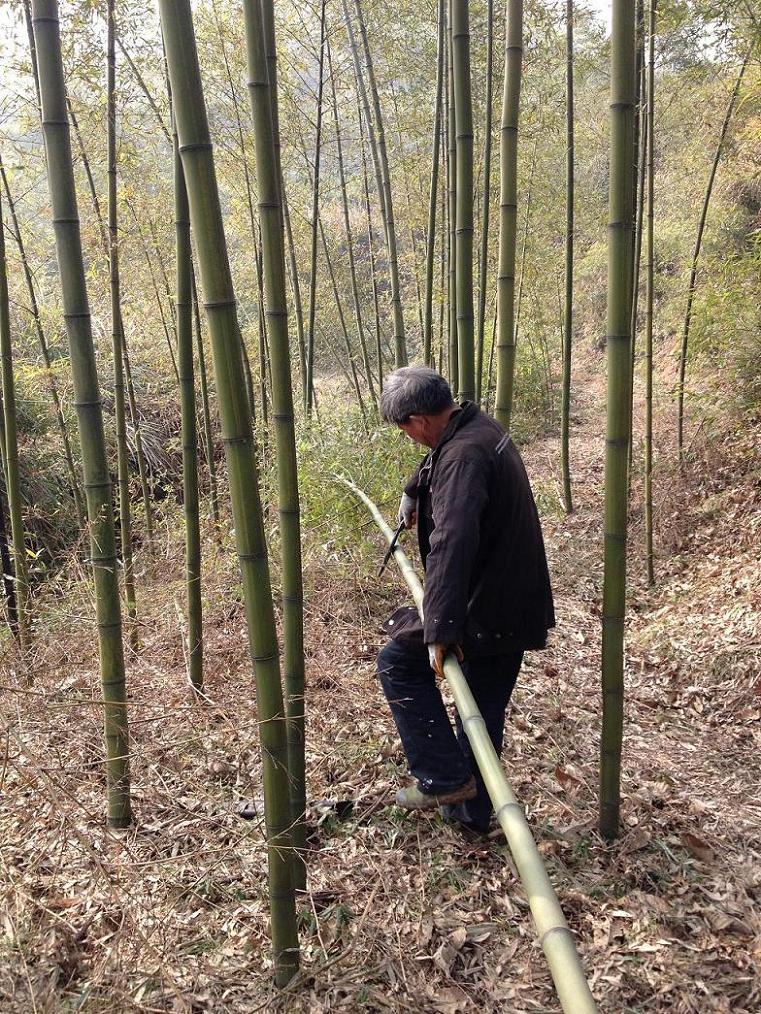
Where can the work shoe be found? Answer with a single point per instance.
(413, 798)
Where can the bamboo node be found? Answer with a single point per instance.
(198, 146)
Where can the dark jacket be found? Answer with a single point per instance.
(487, 586)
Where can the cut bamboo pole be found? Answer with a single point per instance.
(554, 935)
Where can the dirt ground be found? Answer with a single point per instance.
(402, 913)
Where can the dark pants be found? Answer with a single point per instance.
(440, 761)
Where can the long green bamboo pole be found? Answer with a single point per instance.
(485, 218)
(454, 371)
(97, 483)
(10, 452)
(400, 342)
(371, 250)
(555, 936)
(315, 216)
(565, 411)
(106, 247)
(120, 409)
(433, 194)
(463, 118)
(42, 340)
(649, 288)
(621, 211)
(269, 184)
(348, 236)
(696, 257)
(298, 306)
(183, 307)
(6, 561)
(220, 306)
(508, 211)
(203, 383)
(639, 200)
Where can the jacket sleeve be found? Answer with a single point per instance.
(458, 496)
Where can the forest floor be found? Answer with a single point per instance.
(403, 913)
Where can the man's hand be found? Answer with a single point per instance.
(437, 653)
(407, 511)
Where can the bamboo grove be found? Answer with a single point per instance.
(292, 208)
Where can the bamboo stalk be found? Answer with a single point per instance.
(349, 237)
(10, 453)
(125, 518)
(371, 250)
(453, 357)
(207, 430)
(298, 307)
(463, 118)
(97, 483)
(649, 288)
(400, 344)
(565, 412)
(42, 340)
(554, 935)
(484, 259)
(620, 252)
(434, 188)
(696, 256)
(315, 216)
(220, 306)
(508, 212)
(269, 181)
(183, 307)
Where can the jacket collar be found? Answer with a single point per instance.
(461, 416)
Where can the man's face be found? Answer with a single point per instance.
(417, 428)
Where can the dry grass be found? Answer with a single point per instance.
(402, 913)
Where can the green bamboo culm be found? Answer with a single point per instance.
(273, 250)
(565, 409)
(310, 351)
(183, 312)
(508, 212)
(620, 253)
(454, 377)
(97, 482)
(400, 341)
(45, 352)
(220, 306)
(203, 384)
(463, 120)
(556, 938)
(486, 216)
(10, 452)
(649, 291)
(684, 345)
(120, 408)
(434, 188)
(348, 236)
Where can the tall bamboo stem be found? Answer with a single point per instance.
(565, 412)
(400, 344)
(97, 483)
(220, 306)
(183, 309)
(434, 188)
(315, 217)
(696, 257)
(454, 371)
(463, 118)
(649, 287)
(349, 237)
(371, 250)
(10, 452)
(620, 252)
(42, 340)
(508, 211)
(269, 182)
(485, 218)
(203, 383)
(125, 518)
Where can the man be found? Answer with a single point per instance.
(487, 589)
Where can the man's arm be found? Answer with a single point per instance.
(458, 497)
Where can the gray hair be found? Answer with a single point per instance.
(413, 390)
